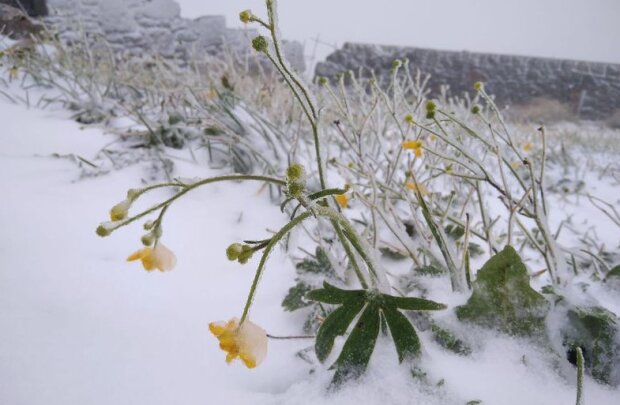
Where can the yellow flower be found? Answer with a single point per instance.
(528, 147)
(247, 341)
(342, 200)
(413, 187)
(415, 146)
(158, 257)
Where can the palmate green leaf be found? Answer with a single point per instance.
(412, 303)
(358, 348)
(404, 335)
(333, 295)
(336, 324)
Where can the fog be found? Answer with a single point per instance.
(574, 29)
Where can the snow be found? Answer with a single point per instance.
(80, 325)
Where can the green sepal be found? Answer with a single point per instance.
(412, 303)
(358, 348)
(405, 338)
(336, 324)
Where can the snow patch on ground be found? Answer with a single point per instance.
(82, 326)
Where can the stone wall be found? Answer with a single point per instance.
(591, 90)
(34, 8)
(153, 26)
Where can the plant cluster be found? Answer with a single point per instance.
(376, 174)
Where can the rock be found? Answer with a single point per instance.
(15, 24)
(34, 8)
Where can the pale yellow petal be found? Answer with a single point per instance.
(163, 258)
(136, 255)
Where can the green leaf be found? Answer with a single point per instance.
(596, 331)
(412, 303)
(503, 299)
(358, 348)
(455, 232)
(430, 270)
(404, 335)
(392, 253)
(294, 300)
(447, 340)
(336, 324)
(319, 264)
(333, 295)
(474, 249)
(615, 272)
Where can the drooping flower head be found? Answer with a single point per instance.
(158, 257)
(247, 341)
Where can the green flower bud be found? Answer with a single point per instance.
(246, 16)
(148, 239)
(478, 86)
(396, 64)
(409, 119)
(233, 251)
(430, 109)
(295, 172)
(295, 189)
(323, 81)
(133, 193)
(148, 225)
(475, 109)
(245, 254)
(260, 44)
(103, 231)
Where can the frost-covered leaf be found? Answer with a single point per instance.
(319, 264)
(455, 232)
(474, 249)
(430, 270)
(449, 341)
(595, 330)
(613, 273)
(404, 335)
(503, 299)
(336, 324)
(295, 299)
(358, 348)
(392, 253)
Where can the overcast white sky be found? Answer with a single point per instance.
(575, 29)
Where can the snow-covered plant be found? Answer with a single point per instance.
(425, 181)
(374, 300)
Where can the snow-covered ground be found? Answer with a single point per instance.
(79, 325)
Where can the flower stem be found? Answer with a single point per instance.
(263, 260)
